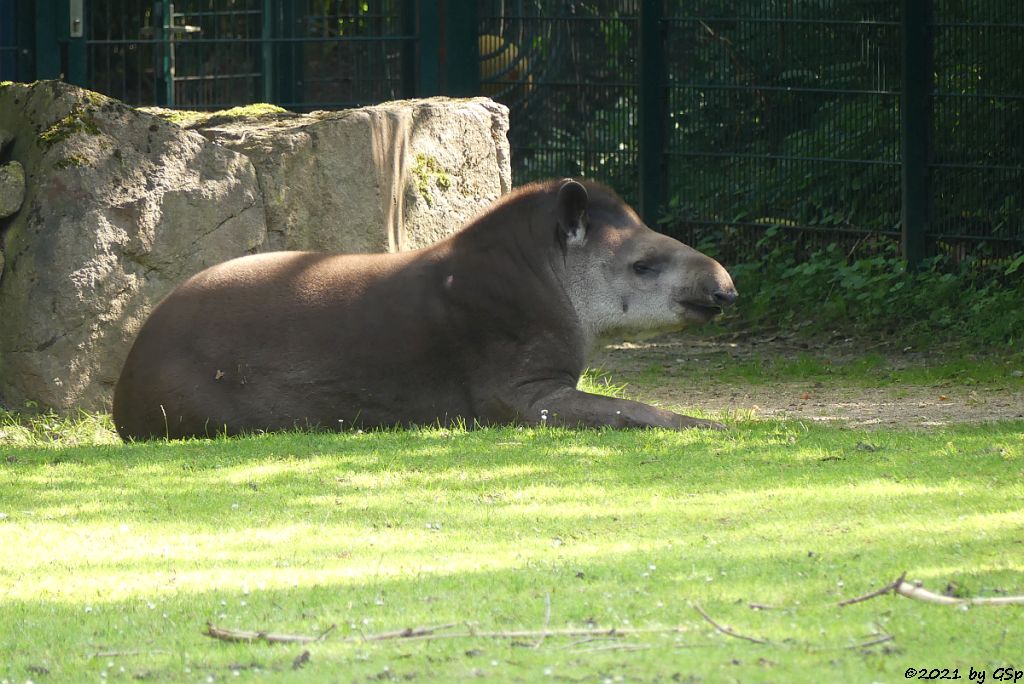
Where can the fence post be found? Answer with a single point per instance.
(49, 23)
(77, 69)
(916, 125)
(164, 81)
(461, 49)
(428, 48)
(407, 16)
(652, 109)
(267, 51)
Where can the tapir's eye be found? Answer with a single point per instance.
(644, 268)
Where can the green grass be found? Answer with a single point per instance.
(871, 370)
(114, 557)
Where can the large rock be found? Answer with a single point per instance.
(12, 188)
(390, 177)
(121, 205)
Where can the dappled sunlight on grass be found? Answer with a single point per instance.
(126, 548)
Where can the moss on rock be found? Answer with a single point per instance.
(78, 121)
(426, 170)
(189, 119)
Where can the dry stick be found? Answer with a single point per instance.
(922, 594)
(873, 642)
(614, 647)
(241, 635)
(877, 592)
(116, 654)
(532, 634)
(547, 619)
(726, 630)
(406, 633)
(904, 588)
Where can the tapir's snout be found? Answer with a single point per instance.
(724, 298)
(718, 285)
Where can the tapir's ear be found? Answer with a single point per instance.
(572, 209)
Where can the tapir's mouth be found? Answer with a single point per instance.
(700, 311)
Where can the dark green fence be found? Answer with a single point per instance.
(209, 54)
(569, 73)
(783, 114)
(832, 120)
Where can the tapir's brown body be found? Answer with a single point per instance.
(492, 325)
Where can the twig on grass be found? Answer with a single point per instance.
(406, 633)
(614, 647)
(612, 632)
(223, 634)
(872, 642)
(118, 654)
(547, 619)
(912, 591)
(915, 592)
(877, 592)
(300, 660)
(726, 630)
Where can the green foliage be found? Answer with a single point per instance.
(51, 429)
(980, 304)
(597, 381)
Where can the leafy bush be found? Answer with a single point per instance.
(972, 302)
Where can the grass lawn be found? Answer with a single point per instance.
(114, 557)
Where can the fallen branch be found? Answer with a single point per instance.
(431, 633)
(917, 593)
(877, 592)
(726, 630)
(614, 647)
(119, 654)
(612, 632)
(547, 620)
(241, 635)
(873, 642)
(912, 591)
(404, 633)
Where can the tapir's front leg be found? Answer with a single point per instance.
(572, 408)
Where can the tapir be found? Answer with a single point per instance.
(492, 325)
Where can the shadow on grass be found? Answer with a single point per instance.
(131, 549)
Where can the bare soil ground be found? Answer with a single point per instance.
(681, 372)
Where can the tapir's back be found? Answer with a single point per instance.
(282, 340)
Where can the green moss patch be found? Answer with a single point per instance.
(428, 171)
(187, 118)
(78, 121)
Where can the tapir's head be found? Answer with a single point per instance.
(627, 280)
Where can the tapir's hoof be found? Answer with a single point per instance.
(688, 423)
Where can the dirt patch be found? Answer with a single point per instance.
(681, 372)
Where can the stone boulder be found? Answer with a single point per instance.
(12, 188)
(120, 205)
(390, 177)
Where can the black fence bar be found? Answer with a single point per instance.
(916, 118)
(652, 110)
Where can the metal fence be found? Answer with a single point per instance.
(569, 73)
(976, 160)
(830, 120)
(10, 49)
(783, 114)
(211, 54)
